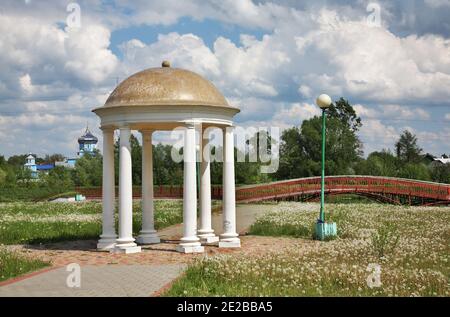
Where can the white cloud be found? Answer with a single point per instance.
(392, 112)
(332, 54)
(25, 83)
(273, 78)
(403, 112)
(296, 113)
(188, 51)
(377, 136)
(36, 53)
(88, 55)
(363, 111)
(438, 3)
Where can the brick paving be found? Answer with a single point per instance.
(104, 281)
(148, 271)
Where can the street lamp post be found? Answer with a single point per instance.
(324, 229)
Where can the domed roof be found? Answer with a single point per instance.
(166, 86)
(87, 137)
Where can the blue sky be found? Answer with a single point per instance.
(270, 58)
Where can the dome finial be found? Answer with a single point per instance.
(165, 64)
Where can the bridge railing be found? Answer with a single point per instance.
(357, 184)
(306, 186)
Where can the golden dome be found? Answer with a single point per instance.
(166, 86)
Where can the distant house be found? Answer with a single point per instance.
(87, 143)
(442, 160)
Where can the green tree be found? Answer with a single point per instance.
(59, 178)
(17, 160)
(165, 170)
(53, 158)
(343, 111)
(300, 149)
(343, 147)
(294, 162)
(3, 175)
(382, 163)
(88, 170)
(440, 173)
(407, 148)
(415, 171)
(136, 160)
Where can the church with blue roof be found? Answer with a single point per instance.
(87, 144)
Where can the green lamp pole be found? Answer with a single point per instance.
(322, 180)
(323, 229)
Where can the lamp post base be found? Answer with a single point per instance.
(325, 230)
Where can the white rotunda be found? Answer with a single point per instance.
(166, 98)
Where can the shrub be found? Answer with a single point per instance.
(385, 239)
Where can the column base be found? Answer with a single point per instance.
(190, 245)
(148, 238)
(205, 232)
(126, 249)
(208, 239)
(190, 248)
(229, 243)
(106, 244)
(126, 245)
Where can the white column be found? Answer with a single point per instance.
(108, 237)
(148, 233)
(205, 233)
(190, 243)
(229, 237)
(125, 242)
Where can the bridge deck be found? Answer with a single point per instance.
(384, 188)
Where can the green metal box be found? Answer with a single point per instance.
(325, 230)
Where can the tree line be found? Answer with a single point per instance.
(299, 156)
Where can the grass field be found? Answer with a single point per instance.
(410, 246)
(41, 222)
(12, 265)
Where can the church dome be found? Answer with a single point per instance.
(88, 137)
(166, 86)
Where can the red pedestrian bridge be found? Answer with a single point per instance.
(383, 189)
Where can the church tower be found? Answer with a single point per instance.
(31, 165)
(87, 143)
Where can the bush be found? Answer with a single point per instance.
(385, 240)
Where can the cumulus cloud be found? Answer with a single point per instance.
(392, 112)
(333, 54)
(307, 48)
(438, 3)
(187, 50)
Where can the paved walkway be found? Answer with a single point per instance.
(245, 216)
(140, 274)
(105, 281)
